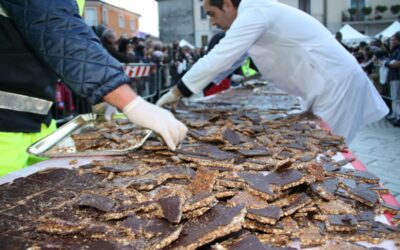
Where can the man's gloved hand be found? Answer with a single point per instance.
(110, 112)
(157, 119)
(105, 109)
(237, 78)
(171, 96)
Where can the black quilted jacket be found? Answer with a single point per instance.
(60, 39)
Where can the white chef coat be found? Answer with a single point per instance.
(298, 54)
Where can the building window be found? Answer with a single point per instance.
(90, 16)
(104, 15)
(121, 21)
(203, 13)
(358, 4)
(204, 40)
(132, 25)
(305, 6)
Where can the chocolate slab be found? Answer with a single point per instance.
(125, 167)
(258, 186)
(261, 151)
(336, 207)
(251, 242)
(386, 208)
(326, 190)
(273, 240)
(341, 223)
(218, 222)
(159, 233)
(269, 215)
(59, 227)
(172, 208)
(101, 203)
(283, 180)
(248, 199)
(231, 136)
(311, 237)
(363, 195)
(297, 201)
(203, 199)
(203, 181)
(343, 245)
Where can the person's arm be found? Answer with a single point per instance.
(244, 32)
(62, 40)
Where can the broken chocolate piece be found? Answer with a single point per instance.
(59, 227)
(231, 136)
(158, 232)
(285, 179)
(268, 215)
(326, 190)
(251, 242)
(218, 222)
(248, 199)
(101, 203)
(203, 181)
(341, 223)
(171, 208)
(258, 186)
(363, 195)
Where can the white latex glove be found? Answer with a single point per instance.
(237, 78)
(169, 97)
(110, 112)
(157, 119)
(105, 109)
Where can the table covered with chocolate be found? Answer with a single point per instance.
(239, 181)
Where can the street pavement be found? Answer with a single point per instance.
(378, 147)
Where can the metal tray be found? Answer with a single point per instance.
(60, 143)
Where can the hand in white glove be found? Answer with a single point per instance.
(237, 78)
(157, 119)
(110, 112)
(105, 109)
(169, 97)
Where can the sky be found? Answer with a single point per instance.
(148, 9)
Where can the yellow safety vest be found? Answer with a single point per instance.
(246, 69)
(81, 6)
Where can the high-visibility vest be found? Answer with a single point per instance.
(81, 6)
(246, 69)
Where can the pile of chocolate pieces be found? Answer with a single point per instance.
(237, 182)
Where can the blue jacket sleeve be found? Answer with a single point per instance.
(60, 38)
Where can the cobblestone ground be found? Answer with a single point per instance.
(378, 147)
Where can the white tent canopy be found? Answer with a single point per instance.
(351, 35)
(184, 43)
(389, 31)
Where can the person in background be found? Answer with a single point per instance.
(110, 43)
(339, 38)
(126, 48)
(308, 63)
(393, 63)
(46, 40)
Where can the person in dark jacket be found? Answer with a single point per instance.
(393, 63)
(110, 42)
(41, 40)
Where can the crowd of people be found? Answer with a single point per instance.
(147, 50)
(379, 59)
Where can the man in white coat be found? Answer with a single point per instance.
(294, 51)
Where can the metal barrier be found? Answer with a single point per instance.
(166, 78)
(143, 79)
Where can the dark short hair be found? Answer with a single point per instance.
(397, 36)
(220, 3)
